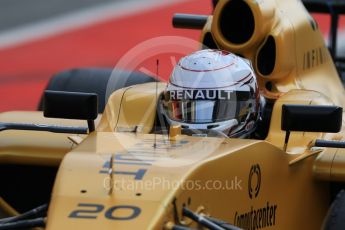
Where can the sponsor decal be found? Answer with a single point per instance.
(256, 218)
(140, 156)
(254, 186)
(207, 94)
(314, 57)
(198, 94)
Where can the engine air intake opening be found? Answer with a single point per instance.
(237, 22)
(266, 58)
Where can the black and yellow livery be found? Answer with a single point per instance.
(124, 175)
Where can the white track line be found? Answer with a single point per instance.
(75, 20)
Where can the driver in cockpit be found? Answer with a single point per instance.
(213, 90)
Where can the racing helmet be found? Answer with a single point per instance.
(213, 90)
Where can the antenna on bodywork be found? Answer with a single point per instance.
(111, 174)
(156, 101)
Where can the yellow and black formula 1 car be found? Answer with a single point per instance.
(125, 172)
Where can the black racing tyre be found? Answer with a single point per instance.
(95, 80)
(336, 214)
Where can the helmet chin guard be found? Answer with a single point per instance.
(212, 90)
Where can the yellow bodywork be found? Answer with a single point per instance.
(154, 176)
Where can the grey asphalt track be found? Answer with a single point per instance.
(16, 13)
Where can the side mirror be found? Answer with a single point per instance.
(311, 118)
(71, 105)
